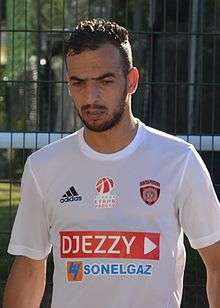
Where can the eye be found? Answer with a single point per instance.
(107, 81)
(74, 83)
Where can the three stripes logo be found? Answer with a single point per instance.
(70, 195)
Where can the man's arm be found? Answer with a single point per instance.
(211, 258)
(26, 283)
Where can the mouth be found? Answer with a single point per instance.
(94, 114)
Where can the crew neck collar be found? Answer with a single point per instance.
(128, 150)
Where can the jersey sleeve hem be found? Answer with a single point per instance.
(28, 252)
(205, 241)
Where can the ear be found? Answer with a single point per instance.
(67, 78)
(132, 79)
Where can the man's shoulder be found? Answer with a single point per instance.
(51, 161)
(61, 146)
(161, 139)
(56, 154)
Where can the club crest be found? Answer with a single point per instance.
(150, 191)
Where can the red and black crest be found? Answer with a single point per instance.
(150, 191)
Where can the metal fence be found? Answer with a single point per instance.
(176, 46)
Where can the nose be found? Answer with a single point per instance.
(91, 93)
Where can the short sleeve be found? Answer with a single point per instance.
(30, 232)
(199, 208)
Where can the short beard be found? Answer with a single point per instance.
(116, 117)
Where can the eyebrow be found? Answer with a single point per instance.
(106, 75)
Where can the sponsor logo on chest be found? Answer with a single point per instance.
(138, 247)
(110, 244)
(77, 270)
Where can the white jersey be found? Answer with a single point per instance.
(116, 221)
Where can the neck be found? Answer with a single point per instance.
(114, 139)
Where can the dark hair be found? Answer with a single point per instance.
(92, 33)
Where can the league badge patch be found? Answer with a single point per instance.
(150, 191)
(105, 198)
(104, 185)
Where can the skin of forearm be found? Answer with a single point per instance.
(25, 286)
(213, 288)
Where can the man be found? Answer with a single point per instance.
(112, 199)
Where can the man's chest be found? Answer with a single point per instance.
(126, 215)
(126, 196)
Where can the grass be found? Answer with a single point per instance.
(9, 200)
(9, 192)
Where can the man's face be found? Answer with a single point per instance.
(98, 86)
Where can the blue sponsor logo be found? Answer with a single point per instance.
(117, 269)
(77, 270)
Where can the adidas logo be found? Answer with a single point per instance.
(70, 195)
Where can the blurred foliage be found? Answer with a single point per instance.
(3, 114)
(20, 16)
